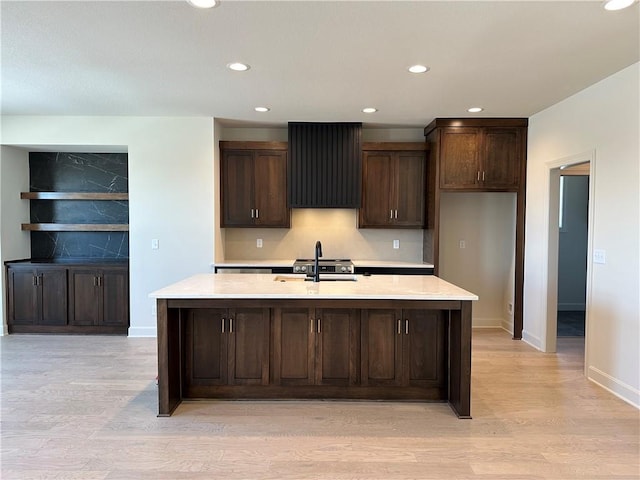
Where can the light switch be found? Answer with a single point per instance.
(155, 244)
(599, 256)
(463, 244)
(259, 243)
(396, 244)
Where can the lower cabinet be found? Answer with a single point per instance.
(36, 296)
(315, 346)
(59, 298)
(98, 296)
(404, 348)
(314, 352)
(226, 347)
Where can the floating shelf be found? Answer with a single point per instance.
(76, 227)
(73, 196)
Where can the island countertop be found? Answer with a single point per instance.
(255, 286)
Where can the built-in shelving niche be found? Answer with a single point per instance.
(79, 205)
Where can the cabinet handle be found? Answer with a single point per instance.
(319, 326)
(231, 325)
(222, 328)
(34, 280)
(252, 213)
(483, 175)
(95, 281)
(391, 214)
(99, 281)
(406, 327)
(396, 214)
(399, 327)
(257, 213)
(478, 175)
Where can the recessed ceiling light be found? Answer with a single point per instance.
(203, 3)
(475, 109)
(262, 109)
(418, 69)
(238, 67)
(369, 110)
(617, 4)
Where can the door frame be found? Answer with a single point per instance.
(550, 246)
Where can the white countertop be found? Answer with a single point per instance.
(243, 285)
(289, 263)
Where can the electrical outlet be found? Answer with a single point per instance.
(462, 244)
(259, 243)
(155, 244)
(396, 244)
(599, 256)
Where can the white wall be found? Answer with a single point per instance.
(171, 193)
(14, 243)
(485, 222)
(603, 118)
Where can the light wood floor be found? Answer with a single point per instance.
(78, 407)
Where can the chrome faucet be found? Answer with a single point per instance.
(316, 268)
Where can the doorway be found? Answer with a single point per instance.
(573, 218)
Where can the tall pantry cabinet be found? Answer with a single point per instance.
(477, 155)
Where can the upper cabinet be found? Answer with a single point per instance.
(479, 154)
(254, 184)
(393, 186)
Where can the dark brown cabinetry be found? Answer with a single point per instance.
(393, 187)
(59, 298)
(226, 347)
(480, 158)
(254, 184)
(403, 348)
(316, 346)
(477, 155)
(99, 296)
(37, 296)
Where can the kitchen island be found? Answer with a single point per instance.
(278, 336)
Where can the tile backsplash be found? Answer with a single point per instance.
(337, 230)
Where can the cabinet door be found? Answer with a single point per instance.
(237, 188)
(24, 304)
(114, 285)
(85, 298)
(271, 189)
(248, 333)
(381, 347)
(377, 190)
(294, 346)
(53, 291)
(337, 346)
(459, 157)
(410, 189)
(424, 355)
(205, 348)
(501, 159)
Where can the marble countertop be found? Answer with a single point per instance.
(252, 286)
(289, 263)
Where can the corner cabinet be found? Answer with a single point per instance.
(254, 184)
(393, 185)
(55, 297)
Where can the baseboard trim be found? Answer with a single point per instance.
(486, 322)
(620, 389)
(143, 332)
(535, 342)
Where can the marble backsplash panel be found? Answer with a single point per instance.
(79, 172)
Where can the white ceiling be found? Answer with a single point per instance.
(310, 60)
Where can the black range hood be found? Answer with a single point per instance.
(325, 165)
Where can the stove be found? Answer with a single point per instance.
(325, 265)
